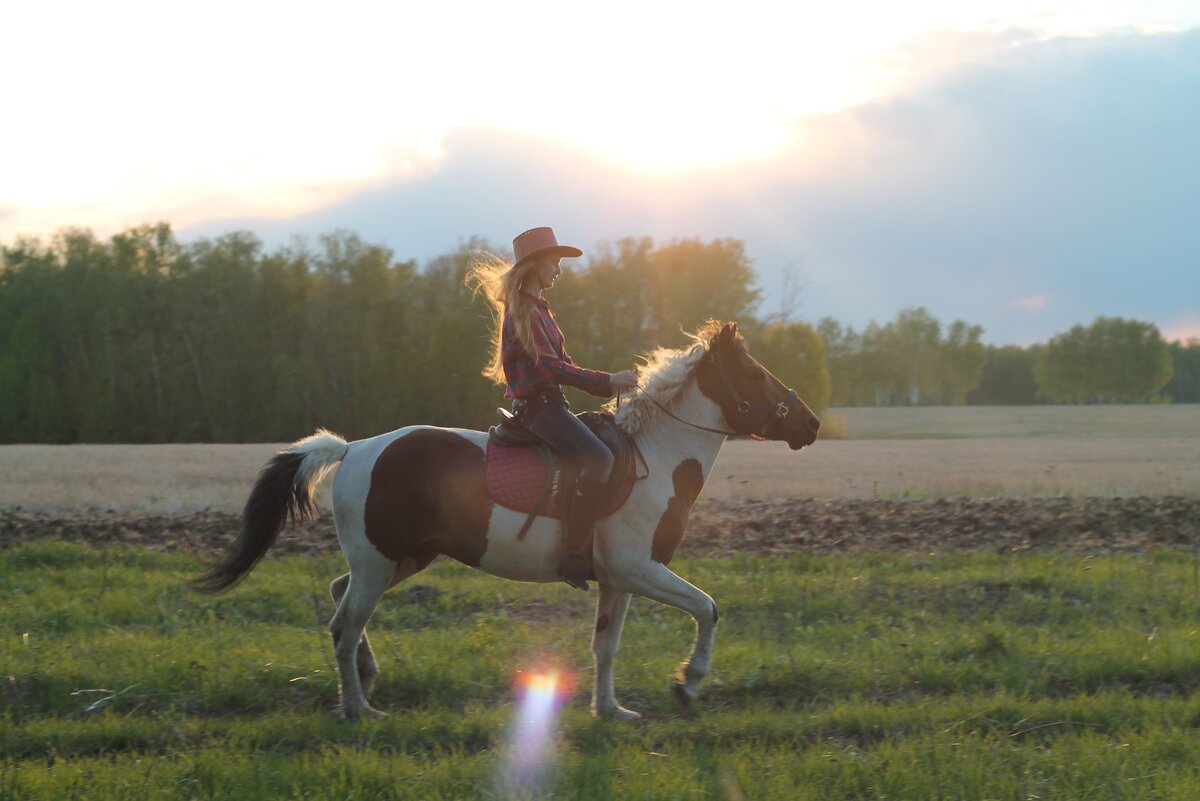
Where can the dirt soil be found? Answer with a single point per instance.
(1087, 525)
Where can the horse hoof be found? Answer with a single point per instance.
(367, 712)
(618, 713)
(682, 696)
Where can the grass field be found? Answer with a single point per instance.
(867, 677)
(984, 676)
(891, 453)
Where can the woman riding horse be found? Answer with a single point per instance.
(530, 360)
(404, 498)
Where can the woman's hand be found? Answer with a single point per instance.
(626, 379)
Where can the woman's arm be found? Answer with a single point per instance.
(565, 371)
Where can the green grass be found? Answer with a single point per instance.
(982, 676)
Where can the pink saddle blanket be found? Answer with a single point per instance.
(516, 479)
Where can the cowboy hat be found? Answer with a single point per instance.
(539, 241)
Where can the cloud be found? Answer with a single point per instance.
(1065, 163)
(1033, 303)
(495, 184)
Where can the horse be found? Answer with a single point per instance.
(403, 498)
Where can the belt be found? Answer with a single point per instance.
(545, 397)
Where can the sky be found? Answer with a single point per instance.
(1022, 165)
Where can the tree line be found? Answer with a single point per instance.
(914, 360)
(143, 338)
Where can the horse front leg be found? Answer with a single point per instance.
(610, 618)
(656, 582)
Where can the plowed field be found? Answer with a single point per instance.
(1087, 525)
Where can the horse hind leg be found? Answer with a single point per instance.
(368, 581)
(368, 667)
(610, 618)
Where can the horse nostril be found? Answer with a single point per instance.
(814, 424)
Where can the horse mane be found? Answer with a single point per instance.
(662, 377)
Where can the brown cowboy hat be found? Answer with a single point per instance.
(539, 241)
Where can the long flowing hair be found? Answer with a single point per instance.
(500, 283)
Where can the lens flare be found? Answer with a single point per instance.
(540, 696)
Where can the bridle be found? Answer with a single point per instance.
(743, 406)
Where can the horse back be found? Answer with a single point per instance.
(415, 493)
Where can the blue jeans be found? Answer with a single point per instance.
(551, 420)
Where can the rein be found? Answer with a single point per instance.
(693, 425)
(669, 413)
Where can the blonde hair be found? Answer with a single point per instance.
(500, 283)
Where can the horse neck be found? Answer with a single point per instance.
(667, 441)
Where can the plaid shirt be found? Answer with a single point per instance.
(524, 376)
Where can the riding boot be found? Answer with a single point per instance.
(575, 567)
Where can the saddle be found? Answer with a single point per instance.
(524, 475)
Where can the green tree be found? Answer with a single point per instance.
(907, 362)
(31, 404)
(1113, 360)
(1007, 378)
(633, 296)
(795, 353)
(143, 339)
(912, 357)
(284, 403)
(1184, 386)
(216, 327)
(454, 345)
(690, 281)
(136, 323)
(963, 359)
(604, 305)
(362, 320)
(847, 364)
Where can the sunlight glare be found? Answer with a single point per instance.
(530, 745)
(120, 123)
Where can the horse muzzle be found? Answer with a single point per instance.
(797, 442)
(799, 427)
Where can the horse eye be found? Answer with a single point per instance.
(758, 375)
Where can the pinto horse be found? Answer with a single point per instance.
(402, 499)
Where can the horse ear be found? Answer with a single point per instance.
(720, 335)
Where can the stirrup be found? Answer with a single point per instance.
(574, 568)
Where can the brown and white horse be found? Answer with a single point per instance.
(402, 499)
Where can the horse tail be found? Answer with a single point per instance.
(284, 491)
